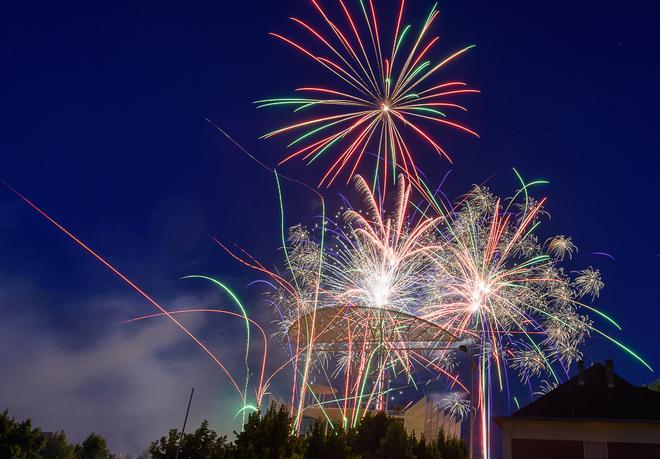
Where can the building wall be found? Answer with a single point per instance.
(622, 440)
(335, 415)
(312, 414)
(414, 418)
(424, 418)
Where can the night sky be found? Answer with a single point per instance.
(103, 126)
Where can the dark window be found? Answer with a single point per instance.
(633, 450)
(595, 450)
(546, 449)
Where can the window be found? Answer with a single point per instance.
(594, 450)
(546, 449)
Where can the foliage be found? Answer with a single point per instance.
(265, 435)
(94, 447)
(323, 442)
(20, 440)
(451, 447)
(203, 443)
(396, 444)
(423, 450)
(370, 431)
(655, 385)
(268, 435)
(57, 447)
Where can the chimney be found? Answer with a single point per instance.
(609, 373)
(581, 373)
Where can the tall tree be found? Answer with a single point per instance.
(396, 443)
(165, 448)
(451, 447)
(94, 447)
(423, 450)
(19, 440)
(57, 447)
(203, 443)
(323, 442)
(268, 436)
(370, 431)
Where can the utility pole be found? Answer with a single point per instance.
(185, 420)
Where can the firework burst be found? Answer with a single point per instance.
(363, 321)
(496, 284)
(388, 91)
(381, 262)
(477, 272)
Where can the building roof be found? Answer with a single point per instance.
(595, 393)
(336, 326)
(320, 389)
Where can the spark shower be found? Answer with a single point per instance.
(400, 284)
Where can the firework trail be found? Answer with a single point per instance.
(377, 295)
(387, 91)
(363, 320)
(125, 279)
(477, 271)
(387, 294)
(497, 285)
(381, 262)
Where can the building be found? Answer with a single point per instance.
(427, 417)
(424, 418)
(321, 406)
(318, 406)
(595, 415)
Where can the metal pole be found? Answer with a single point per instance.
(470, 356)
(185, 420)
(472, 410)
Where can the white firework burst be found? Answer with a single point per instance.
(560, 247)
(589, 282)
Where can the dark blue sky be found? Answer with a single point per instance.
(103, 125)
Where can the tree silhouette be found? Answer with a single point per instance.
(423, 450)
(203, 443)
(265, 435)
(19, 439)
(370, 431)
(94, 447)
(57, 447)
(396, 443)
(323, 442)
(268, 436)
(451, 447)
